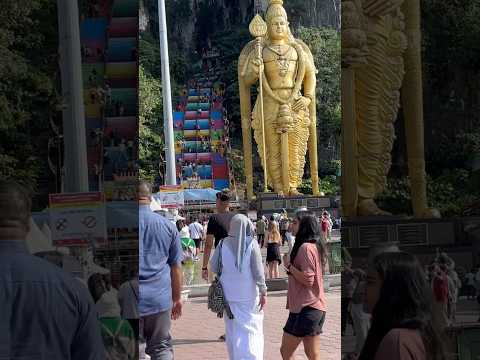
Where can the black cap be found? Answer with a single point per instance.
(224, 195)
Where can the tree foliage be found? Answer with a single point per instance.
(151, 142)
(325, 46)
(28, 95)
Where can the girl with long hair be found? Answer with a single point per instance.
(400, 301)
(274, 259)
(306, 298)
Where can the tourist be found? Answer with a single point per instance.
(284, 228)
(477, 282)
(53, 314)
(440, 296)
(243, 281)
(454, 285)
(326, 225)
(128, 300)
(196, 234)
(348, 286)
(183, 229)
(290, 237)
(160, 278)
(400, 302)
(361, 320)
(306, 298)
(217, 228)
(117, 333)
(261, 227)
(470, 291)
(274, 258)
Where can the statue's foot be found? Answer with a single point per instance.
(428, 213)
(368, 207)
(294, 191)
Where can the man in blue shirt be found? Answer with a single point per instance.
(160, 277)
(44, 312)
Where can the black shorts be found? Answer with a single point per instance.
(197, 243)
(309, 322)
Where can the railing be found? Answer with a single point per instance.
(335, 257)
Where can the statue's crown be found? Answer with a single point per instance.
(275, 9)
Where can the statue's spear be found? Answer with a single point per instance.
(258, 29)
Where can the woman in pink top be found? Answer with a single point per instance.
(306, 297)
(400, 301)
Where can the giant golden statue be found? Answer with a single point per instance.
(283, 118)
(381, 60)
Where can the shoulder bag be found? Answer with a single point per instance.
(216, 297)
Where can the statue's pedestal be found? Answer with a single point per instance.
(270, 203)
(421, 237)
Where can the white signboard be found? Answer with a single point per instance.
(170, 197)
(77, 219)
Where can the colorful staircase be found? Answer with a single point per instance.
(200, 135)
(109, 33)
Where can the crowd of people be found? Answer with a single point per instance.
(401, 309)
(232, 254)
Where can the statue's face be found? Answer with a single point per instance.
(278, 28)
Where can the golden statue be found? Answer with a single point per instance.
(283, 119)
(381, 59)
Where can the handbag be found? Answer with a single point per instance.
(216, 297)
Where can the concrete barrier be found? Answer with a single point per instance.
(330, 281)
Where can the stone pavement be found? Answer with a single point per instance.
(196, 333)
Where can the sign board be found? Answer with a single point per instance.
(170, 196)
(77, 219)
(121, 190)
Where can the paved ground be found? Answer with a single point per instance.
(196, 333)
(468, 312)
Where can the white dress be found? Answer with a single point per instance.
(244, 333)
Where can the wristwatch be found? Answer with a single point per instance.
(204, 269)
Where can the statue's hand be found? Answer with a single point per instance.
(257, 62)
(381, 7)
(301, 104)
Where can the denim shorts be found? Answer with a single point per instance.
(309, 322)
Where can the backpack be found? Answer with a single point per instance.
(216, 297)
(116, 347)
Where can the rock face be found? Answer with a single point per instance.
(190, 20)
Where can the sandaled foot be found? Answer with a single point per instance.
(294, 191)
(428, 213)
(368, 207)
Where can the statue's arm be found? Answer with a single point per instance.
(251, 70)
(309, 81)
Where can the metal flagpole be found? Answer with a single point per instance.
(74, 139)
(167, 97)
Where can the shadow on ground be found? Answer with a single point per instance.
(179, 342)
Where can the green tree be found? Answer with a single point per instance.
(28, 95)
(151, 146)
(325, 46)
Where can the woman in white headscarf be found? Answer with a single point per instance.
(243, 281)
